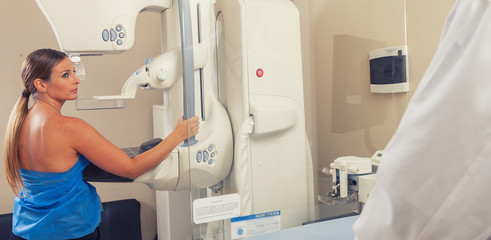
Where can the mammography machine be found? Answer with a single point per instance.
(234, 63)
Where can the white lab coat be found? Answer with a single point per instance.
(435, 178)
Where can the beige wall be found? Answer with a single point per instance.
(23, 29)
(425, 21)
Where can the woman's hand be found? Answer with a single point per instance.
(186, 128)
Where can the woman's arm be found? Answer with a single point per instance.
(90, 143)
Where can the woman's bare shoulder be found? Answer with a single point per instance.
(72, 125)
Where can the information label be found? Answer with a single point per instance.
(254, 225)
(216, 208)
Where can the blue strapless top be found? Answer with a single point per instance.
(56, 205)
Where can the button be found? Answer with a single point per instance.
(114, 35)
(199, 157)
(210, 162)
(163, 76)
(212, 155)
(119, 28)
(210, 148)
(121, 35)
(119, 42)
(205, 156)
(105, 35)
(259, 72)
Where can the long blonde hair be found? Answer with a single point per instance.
(38, 65)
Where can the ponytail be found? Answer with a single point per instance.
(11, 148)
(37, 65)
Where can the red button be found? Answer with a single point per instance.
(259, 72)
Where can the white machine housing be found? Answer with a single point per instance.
(261, 52)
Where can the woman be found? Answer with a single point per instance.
(46, 152)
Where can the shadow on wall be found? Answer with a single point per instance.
(350, 119)
(354, 107)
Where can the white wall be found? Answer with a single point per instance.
(23, 28)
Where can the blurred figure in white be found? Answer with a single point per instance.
(434, 178)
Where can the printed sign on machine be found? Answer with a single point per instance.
(254, 225)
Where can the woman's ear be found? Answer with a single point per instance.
(40, 85)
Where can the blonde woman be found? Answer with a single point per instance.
(46, 152)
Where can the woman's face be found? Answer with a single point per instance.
(64, 84)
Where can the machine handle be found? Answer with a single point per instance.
(187, 52)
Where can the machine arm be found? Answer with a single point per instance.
(109, 28)
(160, 72)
